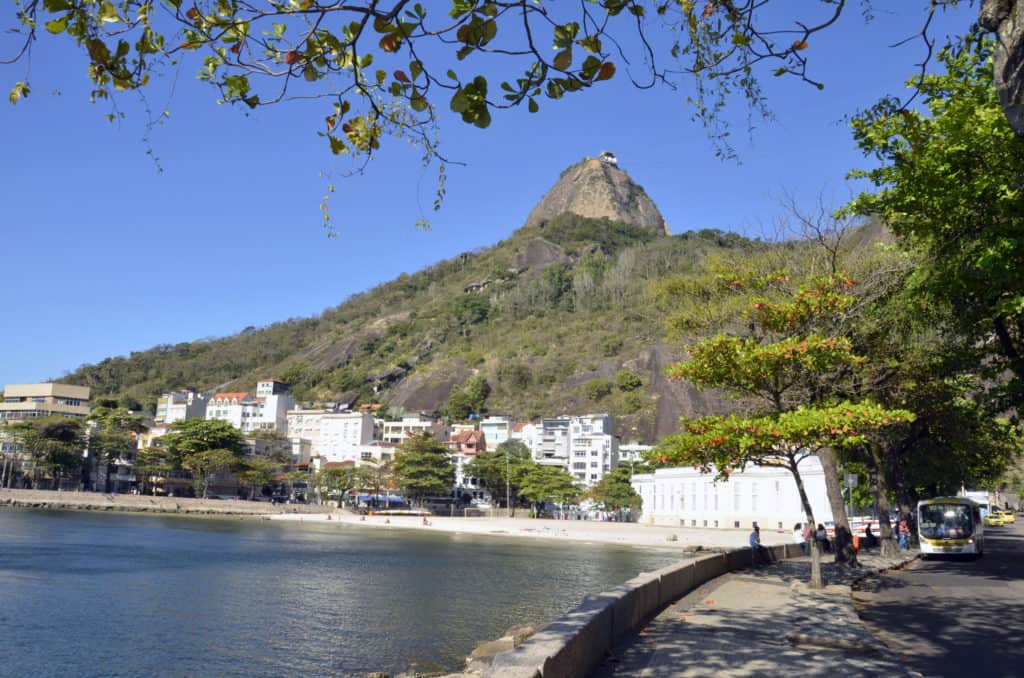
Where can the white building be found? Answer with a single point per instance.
(497, 429)
(172, 407)
(252, 415)
(397, 431)
(551, 442)
(526, 433)
(633, 453)
(374, 453)
(685, 497)
(584, 446)
(332, 435)
(593, 449)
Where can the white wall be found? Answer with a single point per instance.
(768, 495)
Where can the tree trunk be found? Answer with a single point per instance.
(816, 582)
(889, 548)
(844, 537)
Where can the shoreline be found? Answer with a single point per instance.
(683, 540)
(126, 503)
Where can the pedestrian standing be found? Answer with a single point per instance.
(903, 538)
(798, 537)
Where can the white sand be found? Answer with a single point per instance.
(624, 534)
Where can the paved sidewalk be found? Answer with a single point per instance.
(762, 622)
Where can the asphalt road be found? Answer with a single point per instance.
(953, 617)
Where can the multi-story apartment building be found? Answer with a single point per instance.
(397, 431)
(551, 442)
(253, 414)
(30, 401)
(466, 445)
(593, 449)
(172, 407)
(331, 434)
(27, 401)
(584, 446)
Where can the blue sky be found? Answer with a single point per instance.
(102, 254)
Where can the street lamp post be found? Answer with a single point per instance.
(508, 491)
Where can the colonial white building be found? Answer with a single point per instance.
(685, 497)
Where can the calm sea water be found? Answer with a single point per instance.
(124, 595)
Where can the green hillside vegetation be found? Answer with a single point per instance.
(540, 336)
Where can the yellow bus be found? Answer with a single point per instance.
(950, 525)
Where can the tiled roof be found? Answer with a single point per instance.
(241, 395)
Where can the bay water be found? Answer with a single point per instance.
(84, 594)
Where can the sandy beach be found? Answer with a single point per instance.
(590, 531)
(596, 532)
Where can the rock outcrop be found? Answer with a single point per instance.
(597, 188)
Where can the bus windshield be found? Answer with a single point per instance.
(945, 521)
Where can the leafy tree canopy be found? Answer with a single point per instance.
(949, 184)
(490, 466)
(547, 483)
(192, 436)
(423, 468)
(614, 491)
(204, 465)
(387, 69)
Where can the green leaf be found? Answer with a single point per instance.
(532, 106)
(58, 25)
(563, 59)
(107, 13)
(18, 92)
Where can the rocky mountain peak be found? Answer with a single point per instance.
(596, 188)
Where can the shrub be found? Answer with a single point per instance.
(627, 381)
(611, 346)
(597, 389)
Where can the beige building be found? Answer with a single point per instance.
(27, 401)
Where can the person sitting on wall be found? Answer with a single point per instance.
(759, 553)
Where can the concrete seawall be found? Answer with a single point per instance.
(97, 501)
(574, 644)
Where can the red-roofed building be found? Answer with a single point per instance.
(265, 412)
(470, 442)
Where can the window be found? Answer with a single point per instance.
(736, 497)
(366, 456)
(753, 497)
(579, 466)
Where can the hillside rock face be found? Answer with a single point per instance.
(597, 188)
